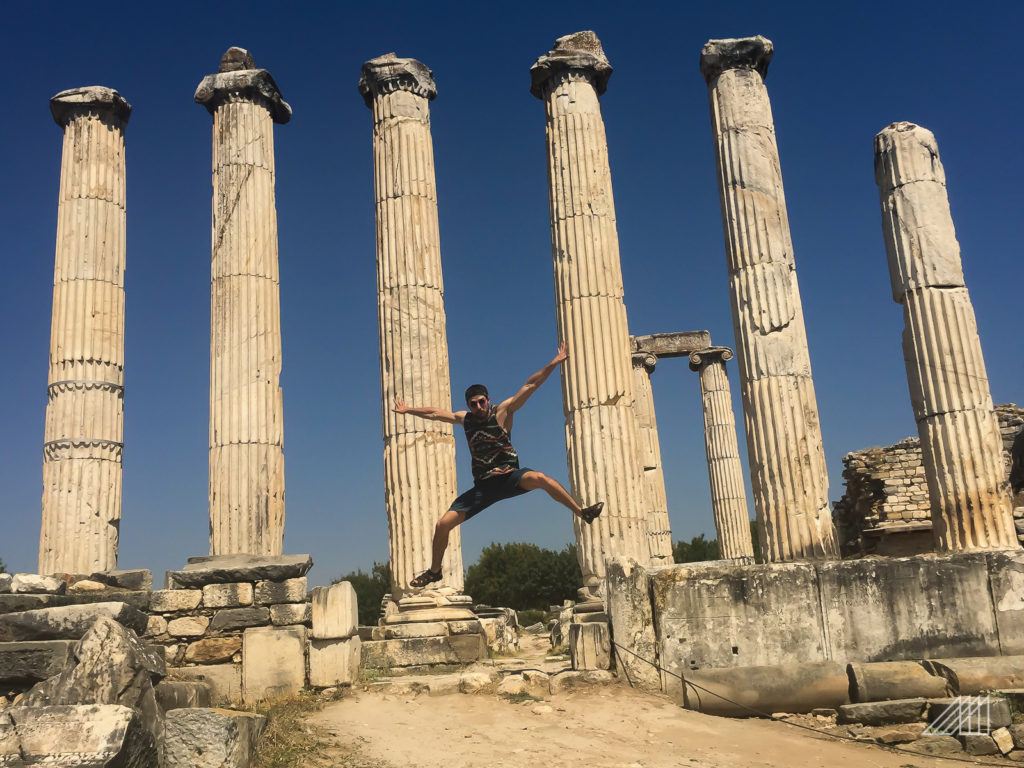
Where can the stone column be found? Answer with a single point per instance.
(660, 529)
(85, 399)
(787, 462)
(419, 455)
(961, 444)
(725, 473)
(597, 385)
(246, 405)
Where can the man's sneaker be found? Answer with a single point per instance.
(591, 513)
(427, 577)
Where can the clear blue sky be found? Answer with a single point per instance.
(839, 75)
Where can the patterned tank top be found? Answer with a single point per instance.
(489, 445)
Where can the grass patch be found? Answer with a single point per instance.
(519, 698)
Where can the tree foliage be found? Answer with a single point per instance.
(696, 550)
(3, 568)
(524, 576)
(370, 590)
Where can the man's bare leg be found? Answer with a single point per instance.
(447, 522)
(533, 479)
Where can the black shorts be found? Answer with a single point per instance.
(486, 492)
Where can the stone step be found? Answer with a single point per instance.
(10, 603)
(456, 649)
(223, 569)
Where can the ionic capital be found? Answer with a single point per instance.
(238, 79)
(645, 359)
(703, 357)
(98, 100)
(717, 56)
(389, 73)
(579, 52)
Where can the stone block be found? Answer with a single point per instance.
(473, 682)
(979, 744)
(173, 600)
(5, 582)
(934, 745)
(156, 625)
(883, 712)
(227, 595)
(537, 683)
(1017, 734)
(572, 680)
(225, 680)
(10, 603)
(899, 734)
(457, 649)
(33, 661)
(993, 713)
(68, 622)
(335, 611)
(512, 685)
(83, 736)
(213, 650)
(188, 626)
(212, 738)
(1006, 580)
(287, 591)
(590, 646)
(290, 613)
(424, 629)
(273, 662)
(468, 627)
(182, 694)
(125, 578)
(334, 662)
(87, 585)
(1003, 740)
(35, 584)
(235, 619)
(220, 569)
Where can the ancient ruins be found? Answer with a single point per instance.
(882, 613)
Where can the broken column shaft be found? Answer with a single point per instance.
(246, 491)
(725, 472)
(660, 529)
(597, 383)
(960, 441)
(787, 461)
(85, 398)
(419, 455)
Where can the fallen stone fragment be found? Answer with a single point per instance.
(182, 694)
(213, 650)
(888, 680)
(538, 683)
(87, 585)
(225, 680)
(979, 744)
(211, 738)
(287, 591)
(335, 611)
(883, 712)
(220, 569)
(5, 582)
(572, 680)
(993, 713)
(471, 682)
(934, 745)
(512, 685)
(1017, 734)
(899, 734)
(33, 661)
(34, 584)
(68, 622)
(126, 578)
(1003, 740)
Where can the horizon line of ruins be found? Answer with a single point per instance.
(611, 430)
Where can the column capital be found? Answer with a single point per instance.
(702, 357)
(238, 78)
(389, 73)
(717, 56)
(645, 359)
(579, 51)
(90, 99)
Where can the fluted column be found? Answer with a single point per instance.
(725, 472)
(960, 441)
(246, 405)
(649, 447)
(787, 461)
(419, 455)
(85, 398)
(597, 385)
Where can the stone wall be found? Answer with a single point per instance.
(885, 508)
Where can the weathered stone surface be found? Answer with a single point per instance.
(212, 738)
(188, 626)
(291, 613)
(156, 625)
(1006, 582)
(424, 629)
(125, 578)
(225, 681)
(171, 600)
(934, 745)
(5, 582)
(273, 662)
(572, 679)
(444, 613)
(227, 595)
(899, 734)
(1003, 740)
(457, 649)
(994, 714)
(512, 685)
(629, 608)
(233, 619)
(334, 662)
(83, 736)
(728, 691)
(979, 744)
(978, 675)
(10, 603)
(467, 627)
(87, 585)
(590, 646)
(33, 660)
(213, 650)
(34, 584)
(287, 591)
(472, 682)
(886, 680)
(335, 611)
(220, 569)
(69, 622)
(883, 712)
(649, 455)
(179, 694)
(537, 683)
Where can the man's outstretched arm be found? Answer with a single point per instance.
(533, 383)
(431, 414)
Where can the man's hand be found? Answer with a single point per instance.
(561, 356)
(400, 406)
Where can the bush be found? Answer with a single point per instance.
(370, 590)
(523, 576)
(696, 550)
(530, 616)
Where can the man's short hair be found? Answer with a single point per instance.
(475, 391)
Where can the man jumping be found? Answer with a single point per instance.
(496, 471)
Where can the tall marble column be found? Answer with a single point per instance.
(246, 404)
(787, 461)
(725, 472)
(419, 455)
(597, 384)
(660, 529)
(85, 398)
(960, 441)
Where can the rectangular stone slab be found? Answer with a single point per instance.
(211, 738)
(13, 603)
(456, 649)
(182, 694)
(222, 569)
(33, 660)
(334, 662)
(225, 680)
(273, 662)
(68, 622)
